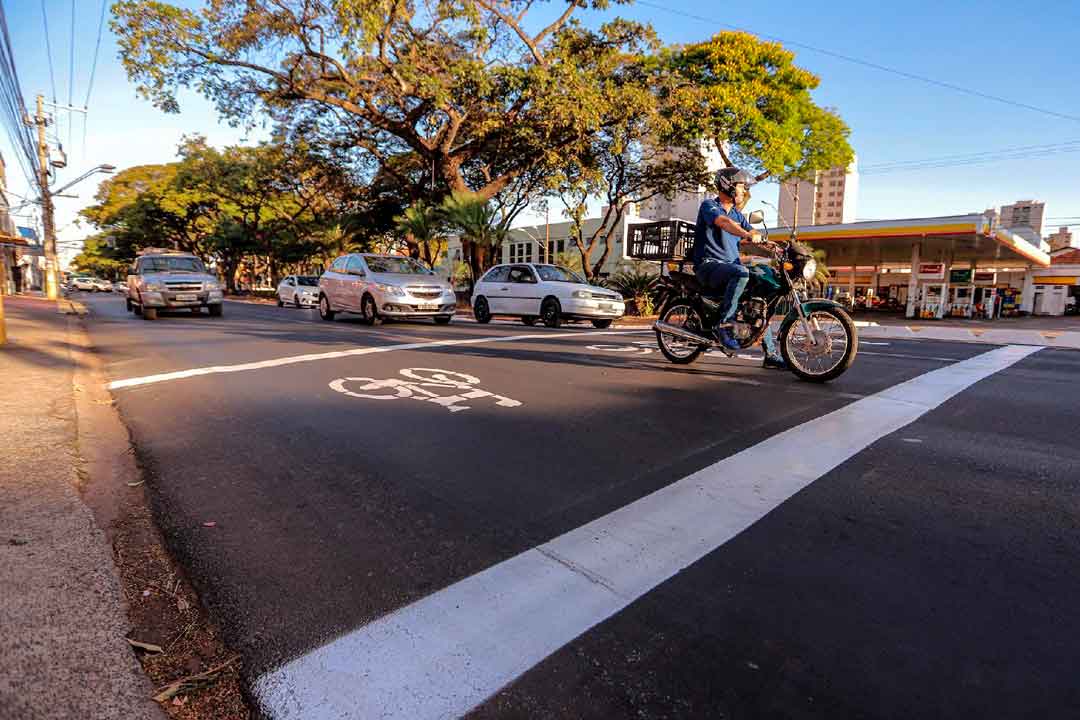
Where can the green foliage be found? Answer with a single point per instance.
(747, 94)
(100, 259)
(423, 227)
(480, 232)
(569, 260)
(470, 88)
(637, 284)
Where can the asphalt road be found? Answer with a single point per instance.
(348, 472)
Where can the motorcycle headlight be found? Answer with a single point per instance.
(809, 269)
(391, 289)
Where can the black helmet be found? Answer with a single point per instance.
(727, 178)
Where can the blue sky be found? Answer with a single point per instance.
(1025, 53)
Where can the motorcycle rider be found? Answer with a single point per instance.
(720, 228)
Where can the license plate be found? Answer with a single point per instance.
(607, 306)
(427, 306)
(187, 298)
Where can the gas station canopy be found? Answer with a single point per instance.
(959, 239)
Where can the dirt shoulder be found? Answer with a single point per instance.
(193, 673)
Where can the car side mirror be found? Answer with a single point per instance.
(756, 217)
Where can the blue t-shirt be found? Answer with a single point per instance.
(712, 243)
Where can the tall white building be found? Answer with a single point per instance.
(828, 198)
(1024, 214)
(684, 205)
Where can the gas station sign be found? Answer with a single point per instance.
(931, 271)
(960, 277)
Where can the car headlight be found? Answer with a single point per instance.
(391, 289)
(153, 286)
(809, 269)
(212, 285)
(581, 294)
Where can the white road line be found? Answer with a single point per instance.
(332, 355)
(913, 357)
(447, 653)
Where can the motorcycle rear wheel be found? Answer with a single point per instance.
(681, 313)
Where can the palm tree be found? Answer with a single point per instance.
(477, 222)
(422, 225)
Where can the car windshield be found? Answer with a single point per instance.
(307, 280)
(398, 265)
(557, 273)
(173, 264)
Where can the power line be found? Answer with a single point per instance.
(97, 48)
(870, 64)
(71, 70)
(48, 49)
(13, 113)
(1028, 153)
(93, 71)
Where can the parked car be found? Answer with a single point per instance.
(550, 293)
(298, 290)
(384, 286)
(91, 284)
(164, 280)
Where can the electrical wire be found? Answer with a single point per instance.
(93, 71)
(869, 64)
(48, 49)
(13, 115)
(980, 158)
(71, 71)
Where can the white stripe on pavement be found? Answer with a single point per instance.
(447, 653)
(278, 362)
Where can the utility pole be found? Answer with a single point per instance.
(51, 268)
(547, 235)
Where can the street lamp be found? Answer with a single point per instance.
(51, 284)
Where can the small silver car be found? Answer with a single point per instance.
(384, 286)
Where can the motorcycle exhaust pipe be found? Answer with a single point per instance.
(684, 334)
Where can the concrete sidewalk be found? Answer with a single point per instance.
(62, 618)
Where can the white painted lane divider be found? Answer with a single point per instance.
(447, 653)
(332, 355)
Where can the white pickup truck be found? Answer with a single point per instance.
(171, 281)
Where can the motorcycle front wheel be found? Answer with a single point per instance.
(827, 352)
(680, 312)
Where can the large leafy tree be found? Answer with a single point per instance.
(754, 103)
(475, 92)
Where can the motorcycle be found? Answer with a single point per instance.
(817, 337)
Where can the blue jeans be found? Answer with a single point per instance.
(727, 278)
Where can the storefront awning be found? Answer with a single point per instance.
(961, 238)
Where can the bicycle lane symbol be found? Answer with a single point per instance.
(420, 384)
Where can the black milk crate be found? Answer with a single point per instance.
(664, 240)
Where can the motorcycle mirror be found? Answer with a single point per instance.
(756, 217)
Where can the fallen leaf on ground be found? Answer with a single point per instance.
(149, 647)
(193, 682)
(136, 484)
(182, 604)
(209, 523)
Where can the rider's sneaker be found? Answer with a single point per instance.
(727, 339)
(774, 363)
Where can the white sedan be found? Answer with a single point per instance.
(298, 291)
(550, 293)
